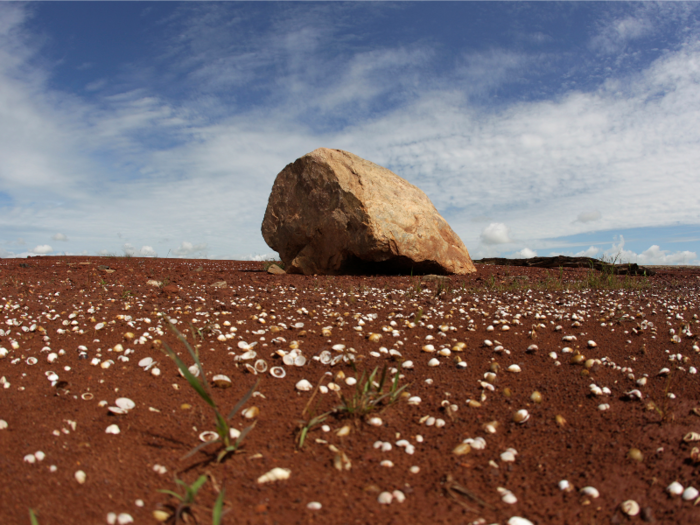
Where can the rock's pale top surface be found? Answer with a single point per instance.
(332, 212)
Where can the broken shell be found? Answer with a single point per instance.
(304, 386)
(278, 372)
(375, 421)
(343, 431)
(112, 429)
(590, 491)
(434, 362)
(462, 449)
(314, 505)
(428, 348)
(260, 366)
(630, 507)
(521, 416)
(491, 427)
(125, 403)
(80, 476)
(221, 381)
(385, 498)
(299, 360)
(194, 370)
(146, 361)
(517, 520)
(288, 359)
(161, 515)
(508, 456)
(514, 369)
(208, 436)
(276, 474)
(250, 413)
(536, 397)
(691, 436)
(507, 496)
(690, 494)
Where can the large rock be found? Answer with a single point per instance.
(332, 212)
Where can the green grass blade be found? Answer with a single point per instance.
(201, 480)
(194, 383)
(218, 510)
(171, 493)
(243, 400)
(199, 447)
(32, 518)
(244, 433)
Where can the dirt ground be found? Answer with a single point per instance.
(609, 389)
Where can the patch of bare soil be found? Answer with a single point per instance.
(614, 366)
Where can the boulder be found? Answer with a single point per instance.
(331, 212)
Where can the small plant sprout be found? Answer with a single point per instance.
(32, 518)
(369, 394)
(417, 317)
(201, 386)
(186, 500)
(307, 424)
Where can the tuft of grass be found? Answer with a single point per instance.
(306, 425)
(369, 394)
(200, 385)
(418, 316)
(186, 500)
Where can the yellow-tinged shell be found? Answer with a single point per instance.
(161, 515)
(462, 449)
(635, 454)
(374, 338)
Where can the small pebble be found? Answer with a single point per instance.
(314, 505)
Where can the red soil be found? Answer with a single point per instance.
(589, 449)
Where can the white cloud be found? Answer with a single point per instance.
(59, 237)
(525, 253)
(145, 251)
(592, 251)
(495, 233)
(187, 248)
(653, 255)
(271, 256)
(589, 216)
(42, 249)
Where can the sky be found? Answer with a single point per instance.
(158, 128)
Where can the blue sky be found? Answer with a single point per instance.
(535, 128)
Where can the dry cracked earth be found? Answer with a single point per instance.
(510, 396)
